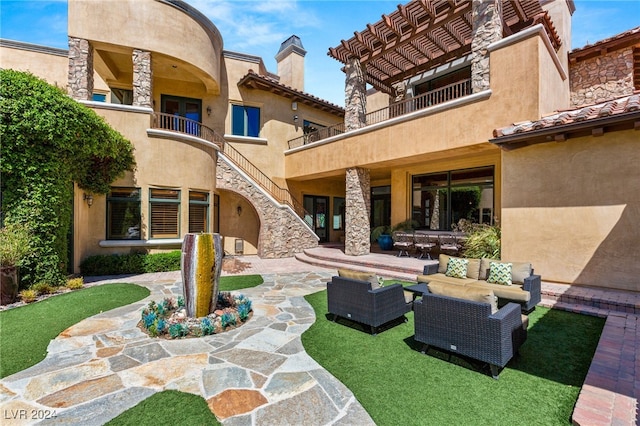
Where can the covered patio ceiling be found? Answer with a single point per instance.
(424, 34)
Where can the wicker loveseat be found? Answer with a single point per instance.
(358, 297)
(525, 287)
(473, 328)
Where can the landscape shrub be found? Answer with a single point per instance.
(75, 283)
(28, 296)
(43, 287)
(49, 142)
(132, 263)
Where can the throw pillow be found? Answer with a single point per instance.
(499, 273)
(457, 267)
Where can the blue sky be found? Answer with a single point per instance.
(258, 27)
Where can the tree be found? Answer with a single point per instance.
(48, 141)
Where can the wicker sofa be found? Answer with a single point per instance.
(525, 287)
(358, 296)
(466, 321)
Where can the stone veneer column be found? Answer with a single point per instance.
(358, 208)
(80, 84)
(487, 28)
(142, 79)
(355, 96)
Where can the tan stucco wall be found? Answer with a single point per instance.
(277, 121)
(244, 225)
(148, 25)
(561, 17)
(160, 162)
(520, 73)
(53, 68)
(573, 209)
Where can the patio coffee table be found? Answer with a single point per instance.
(417, 289)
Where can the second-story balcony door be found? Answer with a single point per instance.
(183, 107)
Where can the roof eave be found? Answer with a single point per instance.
(561, 133)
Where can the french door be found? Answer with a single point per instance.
(317, 215)
(184, 107)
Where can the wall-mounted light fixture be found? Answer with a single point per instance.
(295, 118)
(88, 198)
(239, 209)
(294, 106)
(208, 110)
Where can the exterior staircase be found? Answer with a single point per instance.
(283, 231)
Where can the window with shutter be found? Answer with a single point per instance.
(198, 211)
(164, 213)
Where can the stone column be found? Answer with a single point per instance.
(355, 96)
(358, 209)
(487, 28)
(80, 84)
(142, 79)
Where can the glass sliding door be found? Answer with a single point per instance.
(441, 200)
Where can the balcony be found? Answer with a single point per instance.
(443, 94)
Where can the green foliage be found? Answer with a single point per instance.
(482, 241)
(132, 263)
(14, 244)
(26, 331)
(163, 262)
(49, 141)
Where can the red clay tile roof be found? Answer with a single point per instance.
(254, 80)
(616, 114)
(619, 41)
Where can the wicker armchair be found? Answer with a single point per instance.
(356, 301)
(469, 328)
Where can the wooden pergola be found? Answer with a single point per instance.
(424, 34)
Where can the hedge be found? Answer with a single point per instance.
(132, 263)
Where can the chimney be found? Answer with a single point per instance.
(290, 60)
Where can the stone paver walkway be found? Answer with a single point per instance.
(258, 373)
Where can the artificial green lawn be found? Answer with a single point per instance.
(397, 384)
(25, 332)
(168, 408)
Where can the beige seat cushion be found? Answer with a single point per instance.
(525, 321)
(475, 294)
(510, 292)
(360, 276)
(519, 270)
(408, 296)
(444, 279)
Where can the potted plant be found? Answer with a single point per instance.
(14, 246)
(382, 233)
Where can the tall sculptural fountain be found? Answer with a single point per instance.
(201, 265)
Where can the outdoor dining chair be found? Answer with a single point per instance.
(403, 241)
(424, 243)
(449, 244)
